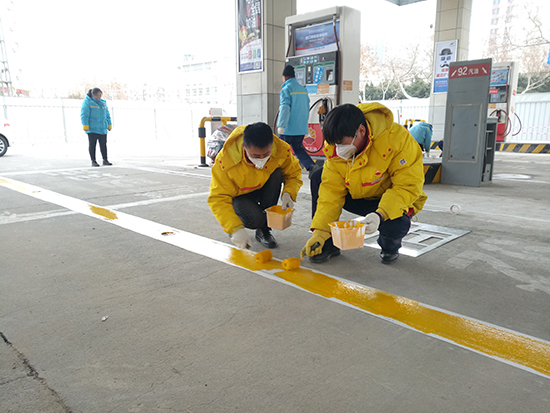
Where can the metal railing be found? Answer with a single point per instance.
(202, 133)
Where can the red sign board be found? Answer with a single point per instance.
(480, 69)
(313, 141)
(493, 91)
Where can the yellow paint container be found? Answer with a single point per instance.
(348, 235)
(279, 218)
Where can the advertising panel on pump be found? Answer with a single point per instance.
(250, 43)
(317, 38)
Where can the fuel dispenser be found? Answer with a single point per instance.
(502, 96)
(469, 149)
(324, 48)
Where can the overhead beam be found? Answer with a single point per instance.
(404, 2)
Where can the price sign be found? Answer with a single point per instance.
(480, 69)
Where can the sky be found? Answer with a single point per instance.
(57, 43)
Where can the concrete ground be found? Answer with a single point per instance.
(184, 332)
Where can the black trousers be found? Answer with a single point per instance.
(92, 139)
(250, 207)
(391, 231)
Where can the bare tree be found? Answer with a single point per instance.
(526, 39)
(534, 67)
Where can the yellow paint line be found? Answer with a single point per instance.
(528, 353)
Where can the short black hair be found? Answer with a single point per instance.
(289, 71)
(342, 121)
(258, 134)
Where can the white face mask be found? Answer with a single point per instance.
(259, 163)
(346, 151)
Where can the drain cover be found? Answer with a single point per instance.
(421, 239)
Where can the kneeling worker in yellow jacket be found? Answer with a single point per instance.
(246, 179)
(373, 169)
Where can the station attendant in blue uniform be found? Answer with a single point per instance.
(96, 122)
(422, 133)
(292, 124)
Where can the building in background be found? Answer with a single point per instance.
(502, 23)
(207, 81)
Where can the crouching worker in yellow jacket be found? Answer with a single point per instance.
(373, 169)
(246, 179)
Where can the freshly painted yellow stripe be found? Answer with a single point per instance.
(511, 347)
(510, 147)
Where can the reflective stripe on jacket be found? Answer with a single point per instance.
(390, 168)
(234, 175)
(95, 114)
(294, 108)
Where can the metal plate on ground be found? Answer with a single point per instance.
(421, 239)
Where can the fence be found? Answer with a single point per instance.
(42, 121)
(533, 111)
(37, 121)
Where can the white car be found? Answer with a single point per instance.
(4, 132)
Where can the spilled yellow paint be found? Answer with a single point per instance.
(475, 335)
(490, 340)
(104, 212)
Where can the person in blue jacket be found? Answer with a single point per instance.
(96, 122)
(422, 133)
(292, 124)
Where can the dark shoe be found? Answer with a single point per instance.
(329, 251)
(389, 258)
(106, 162)
(94, 163)
(264, 236)
(313, 168)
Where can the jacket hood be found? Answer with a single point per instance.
(379, 118)
(92, 99)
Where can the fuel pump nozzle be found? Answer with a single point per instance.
(323, 110)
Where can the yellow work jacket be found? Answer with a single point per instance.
(234, 175)
(390, 168)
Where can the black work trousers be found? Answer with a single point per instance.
(251, 207)
(92, 139)
(391, 231)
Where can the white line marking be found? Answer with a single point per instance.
(11, 219)
(220, 251)
(492, 214)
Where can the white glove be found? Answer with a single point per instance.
(371, 221)
(241, 239)
(280, 130)
(286, 201)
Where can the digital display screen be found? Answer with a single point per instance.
(316, 39)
